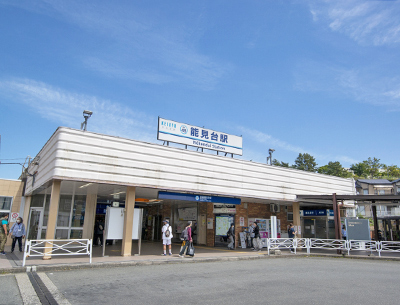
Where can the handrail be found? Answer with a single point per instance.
(56, 247)
(333, 244)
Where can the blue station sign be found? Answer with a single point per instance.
(198, 198)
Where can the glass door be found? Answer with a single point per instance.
(35, 223)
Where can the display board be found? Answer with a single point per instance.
(187, 213)
(114, 226)
(358, 229)
(222, 224)
(186, 134)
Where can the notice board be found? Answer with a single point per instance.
(358, 229)
(114, 226)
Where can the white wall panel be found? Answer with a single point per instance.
(84, 156)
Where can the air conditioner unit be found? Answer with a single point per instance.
(275, 208)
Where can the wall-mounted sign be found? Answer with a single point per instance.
(181, 133)
(225, 209)
(316, 212)
(209, 223)
(198, 198)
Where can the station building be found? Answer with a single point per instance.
(77, 174)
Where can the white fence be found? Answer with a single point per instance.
(56, 247)
(333, 244)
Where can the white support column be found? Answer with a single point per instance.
(128, 221)
(53, 212)
(90, 212)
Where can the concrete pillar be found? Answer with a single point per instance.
(296, 217)
(53, 212)
(27, 208)
(128, 221)
(90, 212)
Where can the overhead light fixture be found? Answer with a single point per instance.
(85, 185)
(86, 114)
(117, 193)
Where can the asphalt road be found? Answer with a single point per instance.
(9, 292)
(265, 281)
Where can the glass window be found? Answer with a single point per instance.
(5, 204)
(78, 212)
(361, 210)
(46, 210)
(76, 234)
(290, 216)
(62, 234)
(381, 192)
(365, 192)
(64, 211)
(37, 201)
(43, 234)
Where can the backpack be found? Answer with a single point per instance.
(168, 232)
(184, 234)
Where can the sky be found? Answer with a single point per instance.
(317, 77)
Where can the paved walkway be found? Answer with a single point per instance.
(151, 254)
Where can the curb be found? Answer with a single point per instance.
(66, 267)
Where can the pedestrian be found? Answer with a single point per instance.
(257, 239)
(292, 234)
(187, 238)
(166, 237)
(17, 233)
(98, 232)
(344, 232)
(4, 229)
(231, 237)
(251, 232)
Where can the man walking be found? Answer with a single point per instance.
(231, 237)
(4, 229)
(166, 237)
(257, 239)
(292, 234)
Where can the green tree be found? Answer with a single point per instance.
(277, 163)
(391, 172)
(305, 162)
(334, 169)
(367, 168)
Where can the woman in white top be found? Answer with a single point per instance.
(166, 237)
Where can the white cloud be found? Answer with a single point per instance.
(65, 108)
(137, 45)
(367, 22)
(362, 84)
(269, 141)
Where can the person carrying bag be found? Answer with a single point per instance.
(187, 239)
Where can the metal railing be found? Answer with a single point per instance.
(330, 244)
(388, 246)
(56, 247)
(362, 245)
(333, 244)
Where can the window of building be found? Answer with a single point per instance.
(71, 216)
(5, 204)
(361, 210)
(365, 192)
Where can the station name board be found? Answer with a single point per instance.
(181, 133)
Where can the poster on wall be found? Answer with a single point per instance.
(187, 213)
(210, 223)
(222, 224)
(241, 221)
(242, 240)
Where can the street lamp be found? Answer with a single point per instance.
(271, 150)
(86, 114)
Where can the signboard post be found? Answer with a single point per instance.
(171, 131)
